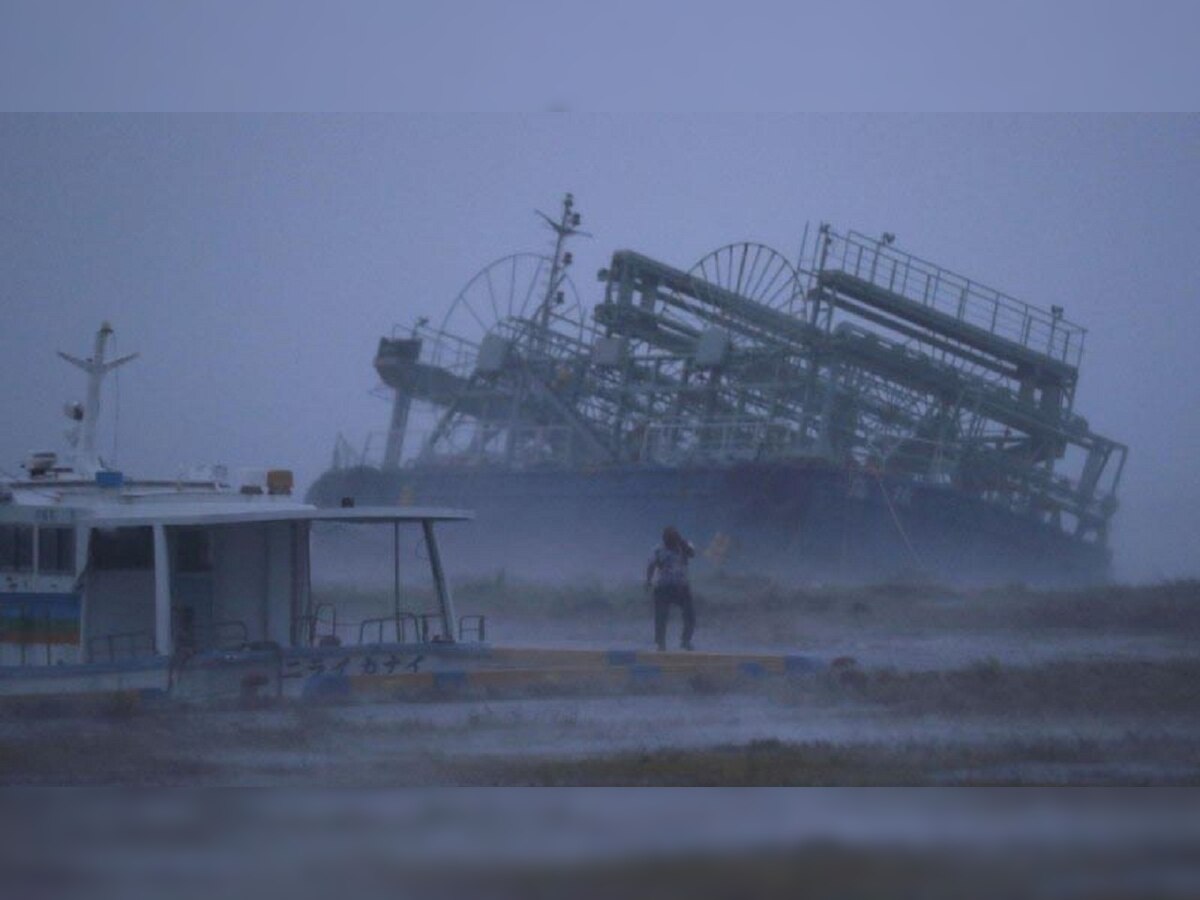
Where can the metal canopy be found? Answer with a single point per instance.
(163, 514)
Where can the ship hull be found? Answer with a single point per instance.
(797, 522)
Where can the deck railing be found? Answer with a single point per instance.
(121, 645)
(968, 301)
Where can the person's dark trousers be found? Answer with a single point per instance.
(664, 596)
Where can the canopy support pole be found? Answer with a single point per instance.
(439, 580)
(396, 575)
(162, 593)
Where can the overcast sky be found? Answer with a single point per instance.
(702, 55)
(255, 261)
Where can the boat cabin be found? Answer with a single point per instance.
(131, 581)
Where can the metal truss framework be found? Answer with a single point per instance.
(861, 356)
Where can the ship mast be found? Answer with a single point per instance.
(96, 368)
(566, 226)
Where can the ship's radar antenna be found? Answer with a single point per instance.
(96, 368)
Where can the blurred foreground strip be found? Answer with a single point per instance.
(604, 843)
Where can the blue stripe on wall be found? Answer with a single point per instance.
(39, 606)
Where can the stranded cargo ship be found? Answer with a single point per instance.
(859, 414)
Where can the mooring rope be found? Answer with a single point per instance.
(896, 519)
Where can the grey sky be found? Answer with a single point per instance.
(702, 55)
(254, 261)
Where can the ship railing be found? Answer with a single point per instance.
(377, 626)
(996, 478)
(326, 629)
(229, 633)
(921, 281)
(441, 348)
(374, 445)
(344, 454)
(474, 623)
(1004, 478)
(990, 464)
(398, 624)
(562, 338)
(347, 456)
(673, 443)
(121, 645)
(223, 634)
(306, 628)
(532, 447)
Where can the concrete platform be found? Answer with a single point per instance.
(397, 672)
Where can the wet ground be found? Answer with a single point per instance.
(917, 685)
(592, 844)
(905, 627)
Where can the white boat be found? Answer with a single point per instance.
(109, 582)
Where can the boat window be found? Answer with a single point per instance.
(56, 550)
(16, 548)
(122, 548)
(193, 550)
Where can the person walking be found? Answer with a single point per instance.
(670, 564)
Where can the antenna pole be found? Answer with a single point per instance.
(91, 409)
(565, 227)
(96, 368)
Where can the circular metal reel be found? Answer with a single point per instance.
(756, 272)
(511, 291)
